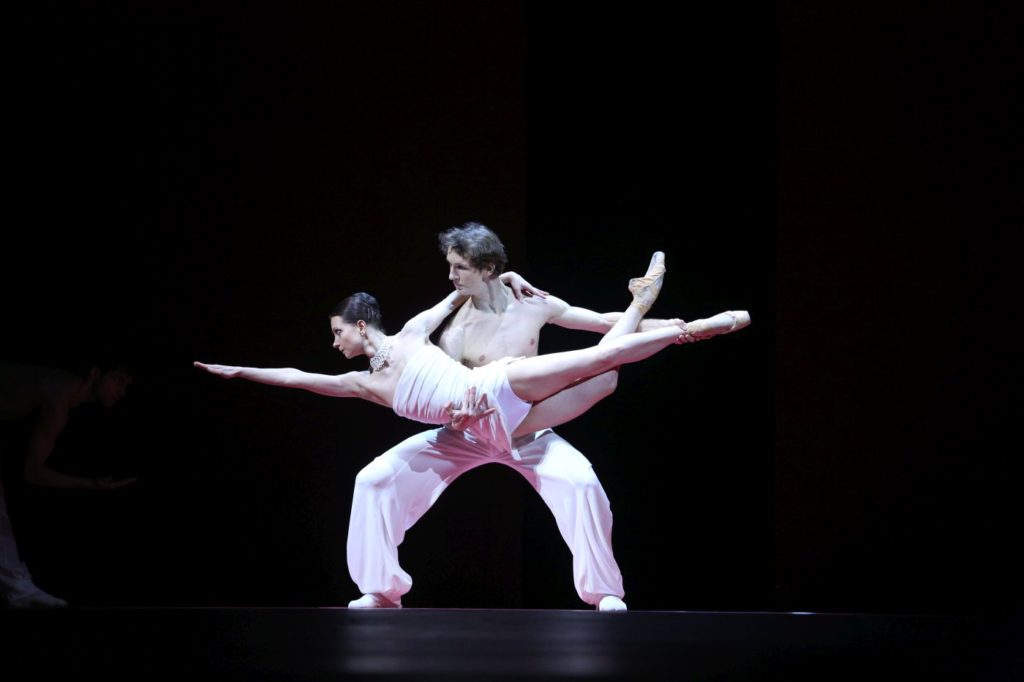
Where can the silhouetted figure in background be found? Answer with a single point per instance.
(42, 398)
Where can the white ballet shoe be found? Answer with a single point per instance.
(373, 601)
(611, 603)
(722, 323)
(645, 289)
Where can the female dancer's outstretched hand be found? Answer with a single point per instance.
(226, 371)
(520, 287)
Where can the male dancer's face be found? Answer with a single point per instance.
(466, 279)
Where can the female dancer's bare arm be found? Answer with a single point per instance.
(348, 385)
(426, 322)
(429, 320)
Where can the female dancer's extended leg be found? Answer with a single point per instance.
(578, 398)
(538, 377)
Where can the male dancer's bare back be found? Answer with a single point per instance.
(398, 487)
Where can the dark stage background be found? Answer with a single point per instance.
(205, 182)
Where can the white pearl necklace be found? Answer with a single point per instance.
(378, 360)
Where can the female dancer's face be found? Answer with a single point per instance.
(347, 338)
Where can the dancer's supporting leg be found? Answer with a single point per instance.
(391, 494)
(565, 479)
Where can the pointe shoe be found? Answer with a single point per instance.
(722, 323)
(611, 603)
(645, 289)
(374, 601)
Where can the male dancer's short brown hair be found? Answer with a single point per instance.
(476, 243)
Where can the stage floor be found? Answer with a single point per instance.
(468, 644)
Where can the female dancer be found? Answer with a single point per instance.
(418, 380)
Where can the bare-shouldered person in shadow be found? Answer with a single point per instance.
(42, 399)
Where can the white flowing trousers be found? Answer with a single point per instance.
(394, 490)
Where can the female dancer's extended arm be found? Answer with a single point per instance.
(348, 385)
(429, 320)
(426, 322)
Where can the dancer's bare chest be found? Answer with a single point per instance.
(475, 338)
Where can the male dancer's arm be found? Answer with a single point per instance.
(575, 317)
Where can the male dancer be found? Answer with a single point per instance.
(398, 487)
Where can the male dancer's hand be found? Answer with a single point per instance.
(463, 416)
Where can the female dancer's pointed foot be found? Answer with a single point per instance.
(645, 289)
(722, 323)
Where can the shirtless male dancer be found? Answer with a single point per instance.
(398, 487)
